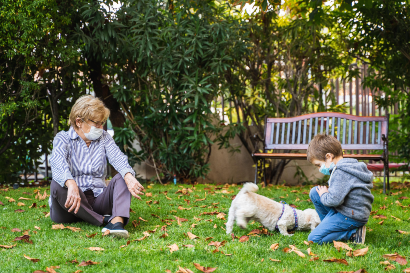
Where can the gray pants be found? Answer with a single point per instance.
(115, 200)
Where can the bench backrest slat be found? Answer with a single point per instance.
(365, 132)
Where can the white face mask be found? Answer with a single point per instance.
(94, 133)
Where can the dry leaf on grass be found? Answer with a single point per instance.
(96, 249)
(243, 238)
(217, 244)
(86, 263)
(191, 236)
(310, 253)
(16, 230)
(313, 259)
(396, 257)
(390, 267)
(221, 215)
(128, 242)
(36, 227)
(381, 222)
(11, 200)
(308, 243)
(31, 259)
(274, 246)
(4, 246)
(334, 260)
(297, 251)
(407, 270)
(385, 263)
(142, 219)
(148, 194)
(24, 238)
(188, 246)
(91, 235)
(339, 245)
(51, 269)
(164, 235)
(274, 260)
(184, 270)
(107, 232)
(19, 210)
(173, 248)
(135, 223)
(204, 269)
(24, 198)
(379, 217)
(1, 203)
(360, 252)
(59, 226)
(402, 232)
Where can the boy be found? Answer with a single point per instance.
(345, 206)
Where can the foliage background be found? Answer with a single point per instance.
(160, 65)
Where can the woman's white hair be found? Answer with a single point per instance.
(88, 107)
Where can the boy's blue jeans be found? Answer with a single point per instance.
(334, 225)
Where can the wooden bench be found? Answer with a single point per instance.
(358, 135)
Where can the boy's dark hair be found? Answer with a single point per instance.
(321, 145)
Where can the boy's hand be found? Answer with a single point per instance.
(321, 190)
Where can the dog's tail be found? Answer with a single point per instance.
(249, 187)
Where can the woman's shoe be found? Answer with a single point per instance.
(116, 230)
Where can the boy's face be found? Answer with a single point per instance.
(318, 163)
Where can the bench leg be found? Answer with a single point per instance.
(256, 171)
(264, 173)
(386, 176)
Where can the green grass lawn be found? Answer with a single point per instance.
(152, 254)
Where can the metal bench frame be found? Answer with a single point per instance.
(354, 133)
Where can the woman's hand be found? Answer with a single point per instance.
(133, 185)
(73, 196)
(321, 190)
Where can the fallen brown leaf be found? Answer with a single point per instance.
(128, 242)
(334, 260)
(1, 203)
(16, 230)
(313, 259)
(24, 238)
(36, 227)
(274, 246)
(381, 222)
(142, 219)
(135, 224)
(360, 252)
(379, 217)
(339, 245)
(243, 238)
(402, 232)
(59, 226)
(96, 249)
(188, 246)
(390, 267)
(148, 194)
(91, 235)
(385, 263)
(297, 251)
(31, 259)
(286, 250)
(89, 262)
(34, 205)
(184, 270)
(221, 215)
(191, 236)
(310, 253)
(164, 235)
(173, 248)
(407, 270)
(11, 200)
(274, 260)
(217, 244)
(204, 269)
(4, 246)
(19, 210)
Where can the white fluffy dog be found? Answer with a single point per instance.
(248, 205)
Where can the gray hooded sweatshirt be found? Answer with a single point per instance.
(349, 190)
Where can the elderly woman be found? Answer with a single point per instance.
(78, 162)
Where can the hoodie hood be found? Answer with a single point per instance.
(355, 168)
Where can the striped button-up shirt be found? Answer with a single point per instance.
(87, 166)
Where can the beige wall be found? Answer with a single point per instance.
(226, 167)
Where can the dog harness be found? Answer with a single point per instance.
(294, 213)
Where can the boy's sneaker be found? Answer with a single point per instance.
(359, 236)
(116, 230)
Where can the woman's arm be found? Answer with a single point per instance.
(61, 173)
(120, 162)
